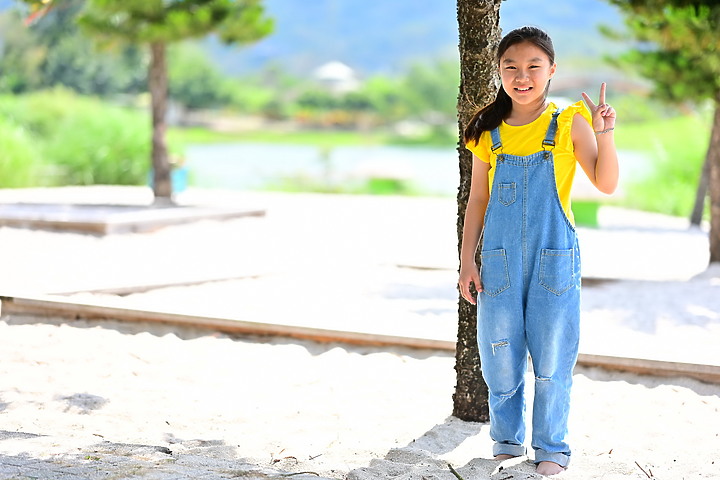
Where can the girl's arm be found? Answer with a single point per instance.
(596, 154)
(472, 228)
(596, 151)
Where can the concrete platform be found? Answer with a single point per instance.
(110, 219)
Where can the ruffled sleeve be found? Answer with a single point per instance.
(482, 148)
(565, 121)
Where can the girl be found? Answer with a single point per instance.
(525, 151)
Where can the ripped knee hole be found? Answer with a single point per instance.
(501, 343)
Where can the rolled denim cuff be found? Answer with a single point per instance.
(561, 459)
(509, 449)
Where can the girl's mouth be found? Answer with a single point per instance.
(522, 90)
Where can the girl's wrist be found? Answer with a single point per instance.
(602, 132)
(467, 261)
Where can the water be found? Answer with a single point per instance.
(431, 171)
(253, 166)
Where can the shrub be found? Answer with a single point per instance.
(19, 159)
(85, 140)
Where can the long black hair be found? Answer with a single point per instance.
(493, 114)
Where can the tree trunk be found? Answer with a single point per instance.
(158, 85)
(713, 157)
(701, 192)
(479, 27)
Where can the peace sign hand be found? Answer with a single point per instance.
(603, 115)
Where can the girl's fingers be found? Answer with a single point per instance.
(468, 296)
(588, 101)
(602, 92)
(465, 291)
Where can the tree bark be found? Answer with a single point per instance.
(479, 28)
(701, 193)
(158, 86)
(713, 158)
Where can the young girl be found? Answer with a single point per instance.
(525, 152)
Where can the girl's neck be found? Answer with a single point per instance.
(524, 114)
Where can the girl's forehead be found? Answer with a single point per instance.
(523, 52)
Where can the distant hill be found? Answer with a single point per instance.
(385, 36)
(375, 36)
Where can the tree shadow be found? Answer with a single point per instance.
(182, 459)
(423, 458)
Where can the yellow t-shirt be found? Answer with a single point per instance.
(527, 139)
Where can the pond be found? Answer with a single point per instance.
(424, 170)
(255, 166)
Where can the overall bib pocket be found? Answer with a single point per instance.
(494, 271)
(557, 270)
(506, 193)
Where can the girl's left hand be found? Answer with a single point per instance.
(603, 115)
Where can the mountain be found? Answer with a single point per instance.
(385, 36)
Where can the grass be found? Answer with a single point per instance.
(675, 148)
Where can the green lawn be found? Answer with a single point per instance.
(676, 148)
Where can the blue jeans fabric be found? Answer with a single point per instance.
(530, 271)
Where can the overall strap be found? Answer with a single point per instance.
(549, 140)
(495, 135)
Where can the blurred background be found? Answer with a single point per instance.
(341, 97)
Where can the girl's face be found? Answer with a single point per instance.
(525, 70)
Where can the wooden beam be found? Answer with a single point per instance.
(53, 307)
(50, 307)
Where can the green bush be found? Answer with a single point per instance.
(19, 159)
(84, 140)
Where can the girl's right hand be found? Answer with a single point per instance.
(469, 274)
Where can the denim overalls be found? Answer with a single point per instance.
(530, 273)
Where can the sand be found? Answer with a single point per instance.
(330, 409)
(337, 410)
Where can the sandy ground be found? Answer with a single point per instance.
(381, 264)
(329, 409)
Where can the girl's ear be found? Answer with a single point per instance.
(552, 69)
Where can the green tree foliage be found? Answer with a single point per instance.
(680, 53)
(432, 88)
(386, 95)
(55, 52)
(679, 46)
(155, 24)
(195, 81)
(168, 21)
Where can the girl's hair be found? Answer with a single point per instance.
(493, 114)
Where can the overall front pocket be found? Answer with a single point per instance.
(506, 193)
(494, 271)
(557, 270)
